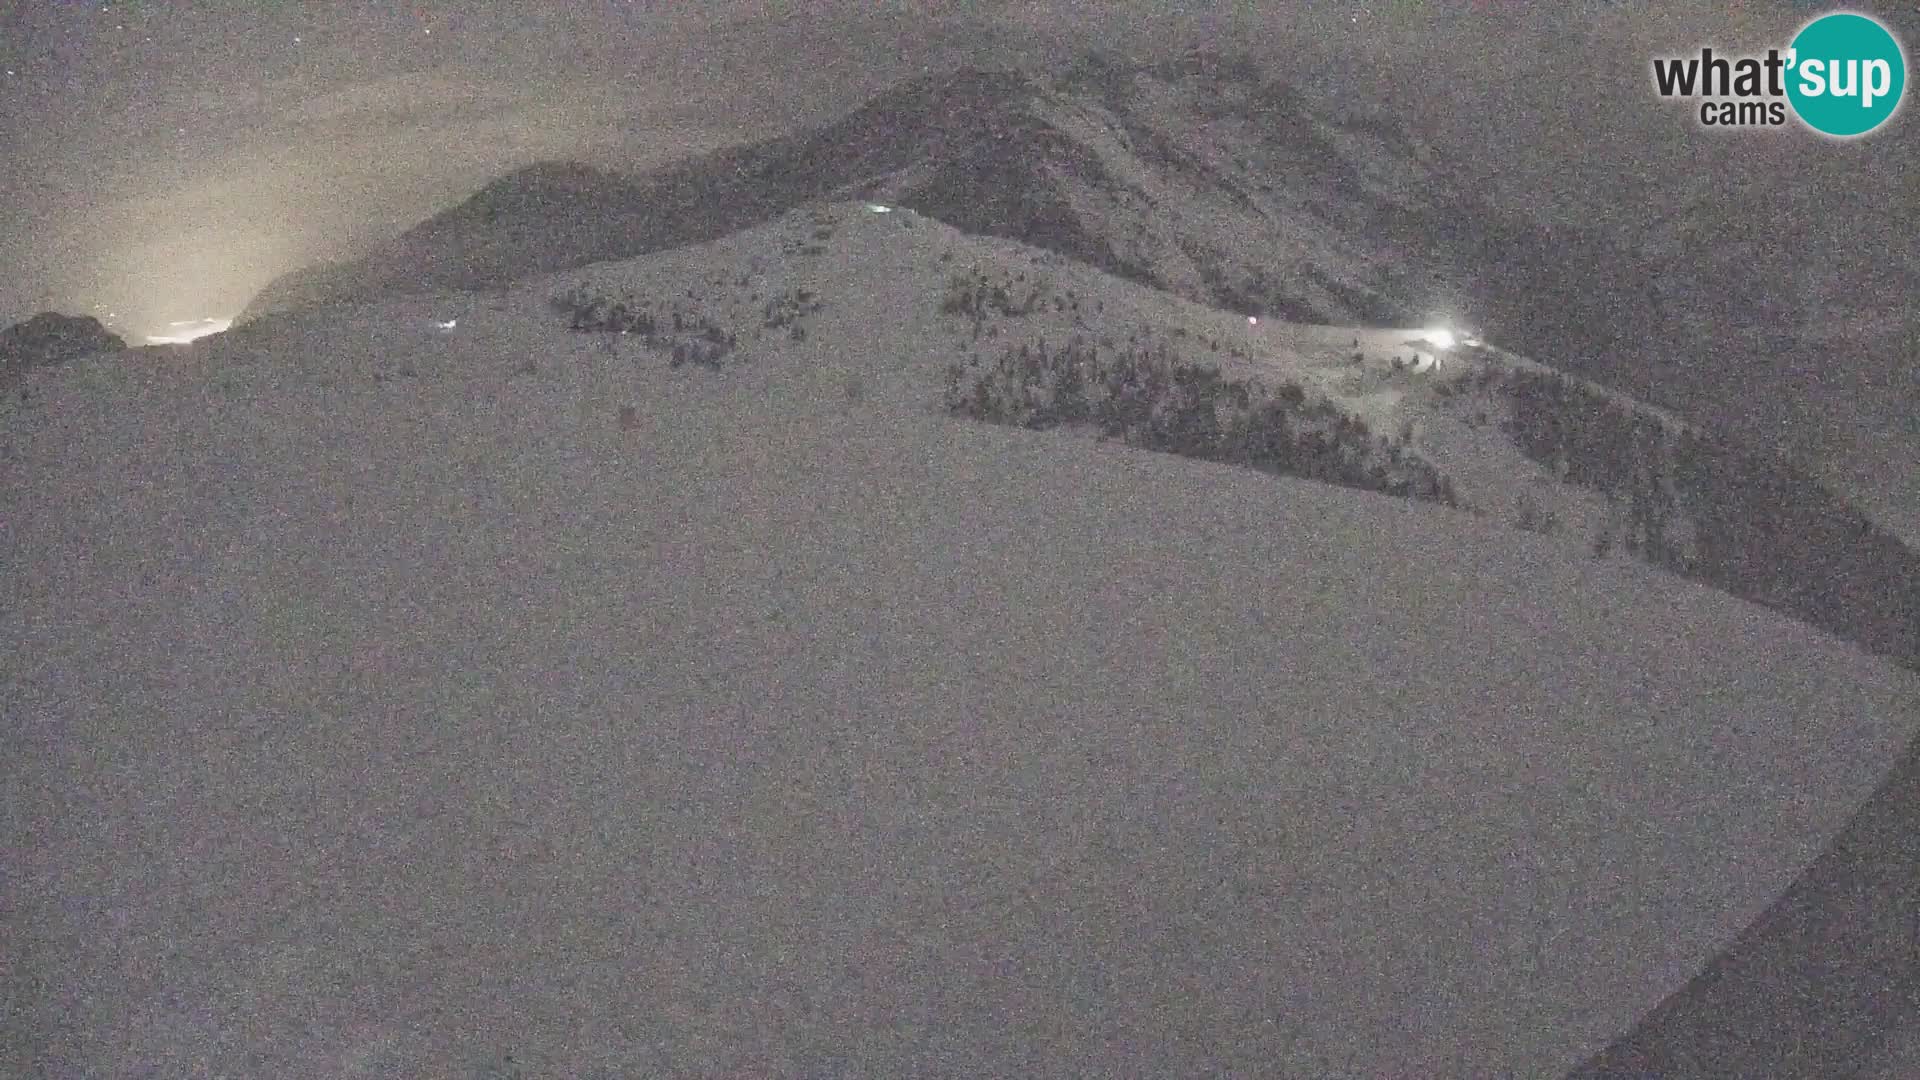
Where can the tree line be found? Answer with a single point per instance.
(1147, 397)
(1745, 522)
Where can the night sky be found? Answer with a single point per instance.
(165, 160)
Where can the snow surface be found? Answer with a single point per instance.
(388, 727)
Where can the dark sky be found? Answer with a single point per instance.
(164, 160)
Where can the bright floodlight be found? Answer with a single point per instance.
(874, 207)
(448, 325)
(1440, 336)
(186, 330)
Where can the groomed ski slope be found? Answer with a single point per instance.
(388, 728)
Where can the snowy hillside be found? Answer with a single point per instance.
(1206, 178)
(399, 687)
(1381, 409)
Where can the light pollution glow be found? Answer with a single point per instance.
(186, 330)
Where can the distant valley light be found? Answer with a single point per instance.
(186, 330)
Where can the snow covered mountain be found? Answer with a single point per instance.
(1201, 177)
(1206, 178)
(650, 667)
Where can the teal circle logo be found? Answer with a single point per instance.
(1846, 74)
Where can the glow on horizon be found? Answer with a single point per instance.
(194, 330)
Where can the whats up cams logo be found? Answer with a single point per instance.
(1843, 75)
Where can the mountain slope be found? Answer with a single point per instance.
(1487, 431)
(1203, 178)
(623, 715)
(1209, 179)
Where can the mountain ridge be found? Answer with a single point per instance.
(1284, 208)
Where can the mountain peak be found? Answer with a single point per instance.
(1198, 175)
